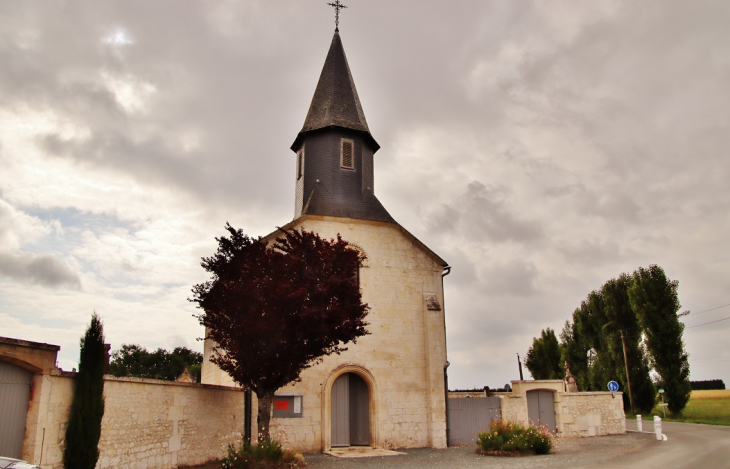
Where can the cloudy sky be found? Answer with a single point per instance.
(541, 148)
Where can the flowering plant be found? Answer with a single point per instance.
(505, 436)
(266, 453)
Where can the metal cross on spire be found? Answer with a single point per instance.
(338, 6)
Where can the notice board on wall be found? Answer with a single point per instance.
(288, 405)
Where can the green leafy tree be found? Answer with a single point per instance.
(276, 309)
(655, 301)
(87, 409)
(543, 358)
(130, 360)
(135, 360)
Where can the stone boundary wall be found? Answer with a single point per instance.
(146, 424)
(591, 413)
(578, 414)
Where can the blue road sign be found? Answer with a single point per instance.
(612, 386)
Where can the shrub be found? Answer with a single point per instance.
(505, 436)
(268, 452)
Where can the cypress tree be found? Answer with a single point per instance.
(84, 426)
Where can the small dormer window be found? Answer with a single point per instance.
(300, 163)
(347, 154)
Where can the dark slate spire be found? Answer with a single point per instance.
(335, 101)
(335, 164)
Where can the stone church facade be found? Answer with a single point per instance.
(389, 389)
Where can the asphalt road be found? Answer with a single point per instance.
(688, 445)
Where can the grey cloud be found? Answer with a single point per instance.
(609, 203)
(40, 269)
(567, 189)
(514, 278)
(596, 250)
(6, 219)
(464, 270)
(481, 212)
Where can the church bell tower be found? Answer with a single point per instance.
(334, 149)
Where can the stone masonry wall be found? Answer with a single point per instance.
(146, 424)
(402, 359)
(592, 414)
(579, 414)
(514, 408)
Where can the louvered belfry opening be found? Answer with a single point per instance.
(336, 177)
(347, 150)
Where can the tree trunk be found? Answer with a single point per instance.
(264, 415)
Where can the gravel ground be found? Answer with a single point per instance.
(567, 453)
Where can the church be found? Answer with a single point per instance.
(388, 390)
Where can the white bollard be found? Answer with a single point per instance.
(658, 427)
(639, 423)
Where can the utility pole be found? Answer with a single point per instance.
(626, 364)
(520, 365)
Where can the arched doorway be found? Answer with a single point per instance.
(14, 394)
(350, 411)
(541, 408)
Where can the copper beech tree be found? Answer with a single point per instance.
(274, 310)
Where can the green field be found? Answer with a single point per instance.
(711, 407)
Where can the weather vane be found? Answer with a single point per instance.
(338, 6)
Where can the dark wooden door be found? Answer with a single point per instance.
(350, 411)
(359, 411)
(341, 411)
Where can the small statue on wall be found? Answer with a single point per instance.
(570, 383)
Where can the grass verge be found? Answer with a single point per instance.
(708, 407)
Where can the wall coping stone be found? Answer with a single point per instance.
(28, 343)
(163, 382)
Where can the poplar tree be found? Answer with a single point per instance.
(621, 317)
(87, 409)
(655, 301)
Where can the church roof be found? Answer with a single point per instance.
(416, 242)
(367, 207)
(335, 101)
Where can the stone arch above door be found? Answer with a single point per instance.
(369, 379)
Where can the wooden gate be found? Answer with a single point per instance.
(14, 395)
(469, 416)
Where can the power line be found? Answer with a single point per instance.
(708, 310)
(686, 327)
(710, 360)
(672, 332)
(706, 323)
